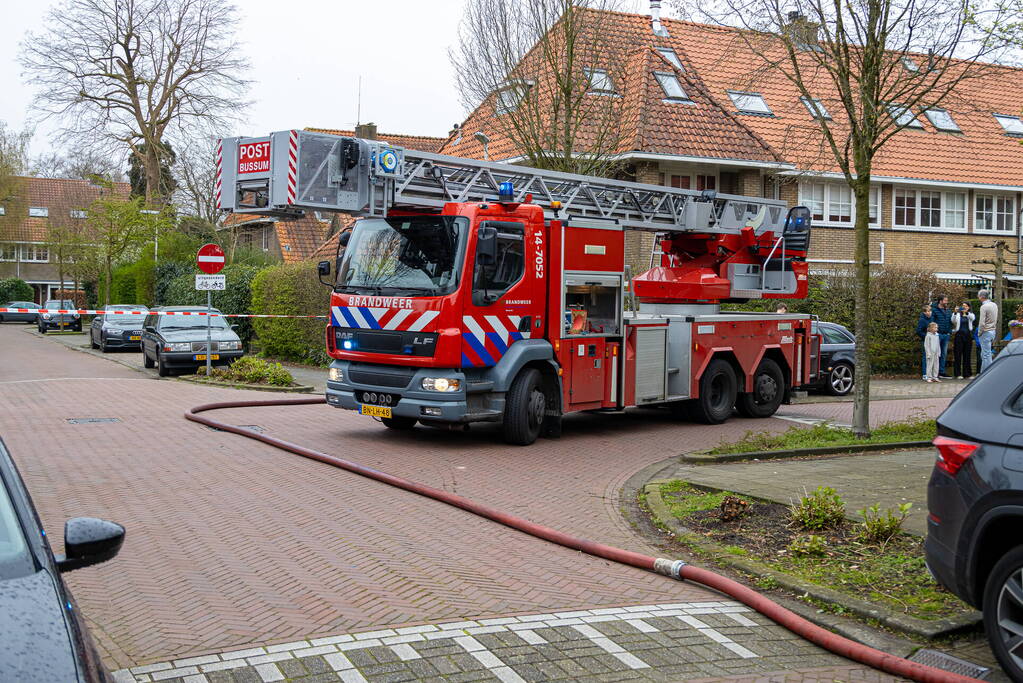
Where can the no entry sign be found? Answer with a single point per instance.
(210, 259)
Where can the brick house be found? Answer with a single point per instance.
(700, 120)
(27, 219)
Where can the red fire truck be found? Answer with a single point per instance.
(473, 291)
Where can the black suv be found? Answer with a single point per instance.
(179, 341)
(975, 498)
(838, 350)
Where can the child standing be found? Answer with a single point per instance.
(932, 349)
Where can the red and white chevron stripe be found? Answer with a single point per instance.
(292, 165)
(220, 170)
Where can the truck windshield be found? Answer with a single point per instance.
(416, 253)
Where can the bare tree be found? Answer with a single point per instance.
(119, 73)
(13, 158)
(196, 172)
(78, 164)
(868, 66)
(546, 79)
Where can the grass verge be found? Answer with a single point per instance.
(824, 434)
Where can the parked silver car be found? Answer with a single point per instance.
(19, 317)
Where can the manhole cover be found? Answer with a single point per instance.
(940, 660)
(89, 420)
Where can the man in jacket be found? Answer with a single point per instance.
(942, 315)
(921, 331)
(986, 327)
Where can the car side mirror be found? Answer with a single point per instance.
(486, 246)
(89, 541)
(150, 328)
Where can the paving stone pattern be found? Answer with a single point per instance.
(664, 642)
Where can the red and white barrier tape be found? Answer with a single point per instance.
(86, 311)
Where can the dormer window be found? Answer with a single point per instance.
(909, 65)
(816, 108)
(38, 212)
(904, 116)
(1011, 124)
(942, 120)
(750, 103)
(599, 81)
(671, 87)
(672, 58)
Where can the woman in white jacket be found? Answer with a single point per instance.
(963, 321)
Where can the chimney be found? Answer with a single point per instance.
(803, 33)
(366, 131)
(454, 129)
(655, 19)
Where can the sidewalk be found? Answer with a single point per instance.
(888, 389)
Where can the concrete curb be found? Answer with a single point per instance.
(705, 458)
(195, 379)
(923, 628)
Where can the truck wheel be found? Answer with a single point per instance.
(768, 391)
(717, 393)
(1003, 612)
(525, 407)
(399, 423)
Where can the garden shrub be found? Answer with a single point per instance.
(879, 528)
(165, 273)
(16, 289)
(255, 371)
(235, 299)
(291, 289)
(808, 546)
(821, 509)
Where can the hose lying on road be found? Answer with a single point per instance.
(673, 568)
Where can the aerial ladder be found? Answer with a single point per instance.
(476, 291)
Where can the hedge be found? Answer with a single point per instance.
(235, 299)
(16, 289)
(292, 289)
(1008, 310)
(897, 296)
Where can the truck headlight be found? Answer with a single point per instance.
(178, 346)
(335, 375)
(441, 384)
(230, 346)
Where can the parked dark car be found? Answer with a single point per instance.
(113, 331)
(44, 635)
(974, 543)
(59, 321)
(837, 374)
(19, 317)
(179, 341)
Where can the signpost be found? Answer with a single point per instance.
(210, 260)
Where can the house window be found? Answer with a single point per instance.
(509, 98)
(77, 213)
(994, 213)
(750, 103)
(942, 120)
(706, 182)
(904, 116)
(955, 210)
(1012, 124)
(38, 211)
(834, 203)
(3, 211)
(929, 209)
(35, 253)
(672, 58)
(8, 252)
(671, 87)
(840, 204)
(265, 236)
(599, 81)
(679, 181)
(816, 108)
(905, 207)
(874, 206)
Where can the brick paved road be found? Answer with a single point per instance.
(232, 542)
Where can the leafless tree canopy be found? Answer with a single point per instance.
(79, 164)
(528, 64)
(117, 73)
(196, 173)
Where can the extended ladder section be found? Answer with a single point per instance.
(293, 171)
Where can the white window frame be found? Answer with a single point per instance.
(670, 78)
(3, 210)
(945, 211)
(816, 108)
(38, 212)
(941, 124)
(605, 80)
(9, 247)
(1012, 125)
(31, 252)
(1009, 215)
(900, 113)
(672, 58)
(824, 187)
(743, 101)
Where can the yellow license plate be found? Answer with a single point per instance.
(375, 411)
(213, 356)
(136, 338)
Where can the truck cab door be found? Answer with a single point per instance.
(506, 300)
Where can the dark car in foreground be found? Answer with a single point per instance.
(44, 635)
(59, 321)
(117, 330)
(837, 353)
(172, 342)
(974, 543)
(29, 317)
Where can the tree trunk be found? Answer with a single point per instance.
(861, 390)
(107, 277)
(154, 193)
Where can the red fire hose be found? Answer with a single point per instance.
(673, 568)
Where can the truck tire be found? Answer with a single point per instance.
(1002, 605)
(768, 391)
(399, 423)
(525, 408)
(717, 393)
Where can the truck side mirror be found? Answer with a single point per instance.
(343, 239)
(798, 219)
(486, 246)
(322, 269)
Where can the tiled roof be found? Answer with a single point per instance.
(718, 59)
(328, 249)
(59, 196)
(422, 143)
(299, 237)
